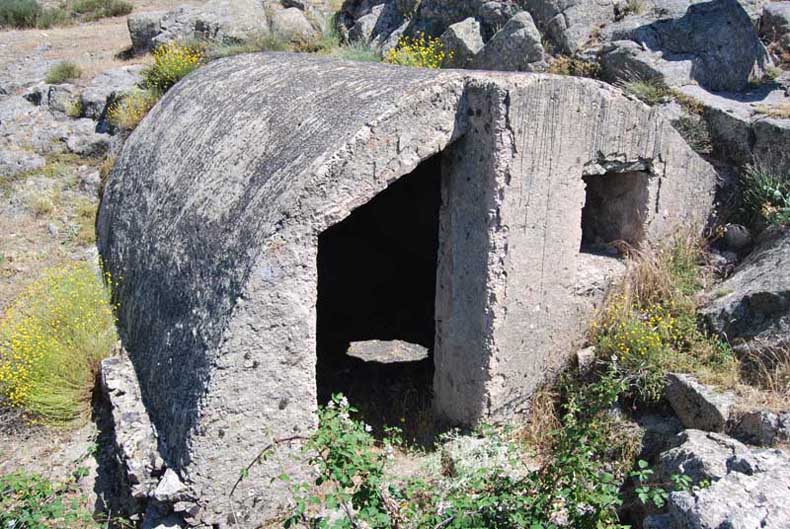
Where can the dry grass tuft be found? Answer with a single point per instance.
(780, 110)
(543, 421)
(130, 110)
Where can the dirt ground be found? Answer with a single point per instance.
(34, 238)
(95, 46)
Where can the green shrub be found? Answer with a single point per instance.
(766, 197)
(62, 72)
(29, 14)
(421, 51)
(356, 51)
(129, 110)
(172, 62)
(74, 108)
(52, 16)
(19, 13)
(96, 9)
(30, 501)
(52, 338)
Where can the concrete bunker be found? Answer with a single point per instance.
(241, 190)
(376, 290)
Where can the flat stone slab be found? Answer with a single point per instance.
(387, 351)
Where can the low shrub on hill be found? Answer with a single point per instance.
(172, 62)
(478, 480)
(129, 110)
(96, 9)
(19, 13)
(52, 338)
(421, 51)
(30, 14)
(62, 72)
(30, 501)
(766, 198)
(648, 326)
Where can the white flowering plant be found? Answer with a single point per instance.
(350, 479)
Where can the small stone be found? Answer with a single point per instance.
(704, 456)
(697, 405)
(763, 428)
(387, 351)
(737, 238)
(52, 229)
(170, 488)
(585, 359)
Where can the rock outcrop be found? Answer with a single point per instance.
(735, 486)
(226, 22)
(754, 310)
(685, 46)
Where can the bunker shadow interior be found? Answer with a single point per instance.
(377, 281)
(614, 211)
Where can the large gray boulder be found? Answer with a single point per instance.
(103, 89)
(570, 24)
(742, 132)
(713, 43)
(516, 47)
(705, 456)
(292, 24)
(221, 21)
(143, 28)
(59, 97)
(763, 428)
(433, 17)
(462, 41)
(754, 312)
(14, 161)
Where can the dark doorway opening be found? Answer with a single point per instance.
(377, 284)
(614, 212)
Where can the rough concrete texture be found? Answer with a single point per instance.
(212, 214)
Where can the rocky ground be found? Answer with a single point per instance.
(729, 91)
(49, 184)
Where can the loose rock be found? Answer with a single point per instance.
(697, 405)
